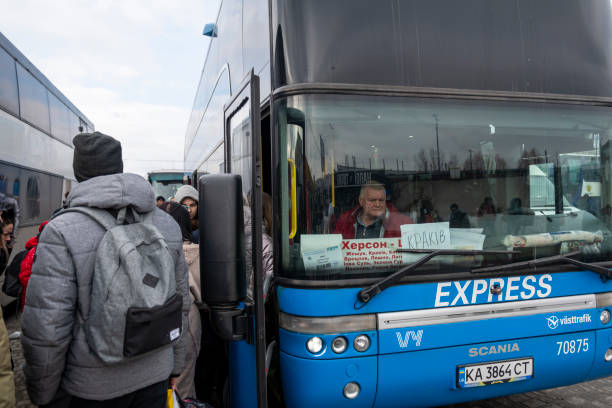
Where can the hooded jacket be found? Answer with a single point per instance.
(58, 299)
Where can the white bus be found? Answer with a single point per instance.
(37, 124)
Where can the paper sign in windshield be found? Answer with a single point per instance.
(332, 253)
(374, 253)
(435, 235)
(322, 252)
(463, 238)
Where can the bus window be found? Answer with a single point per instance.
(60, 119)
(34, 105)
(33, 198)
(240, 145)
(165, 183)
(9, 98)
(16, 187)
(375, 174)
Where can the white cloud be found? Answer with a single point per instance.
(151, 134)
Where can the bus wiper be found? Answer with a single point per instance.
(605, 273)
(366, 294)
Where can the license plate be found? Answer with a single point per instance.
(495, 372)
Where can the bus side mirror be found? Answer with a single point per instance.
(222, 259)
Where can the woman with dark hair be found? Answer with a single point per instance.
(185, 384)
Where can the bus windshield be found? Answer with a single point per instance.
(166, 184)
(363, 176)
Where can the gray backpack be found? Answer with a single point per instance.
(134, 305)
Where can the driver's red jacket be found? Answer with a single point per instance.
(347, 222)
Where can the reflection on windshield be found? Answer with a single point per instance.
(376, 174)
(166, 184)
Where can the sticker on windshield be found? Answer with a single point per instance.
(322, 252)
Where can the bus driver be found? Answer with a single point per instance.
(374, 217)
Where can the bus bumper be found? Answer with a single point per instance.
(431, 377)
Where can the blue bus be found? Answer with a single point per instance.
(440, 177)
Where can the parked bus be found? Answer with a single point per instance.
(166, 182)
(37, 124)
(440, 172)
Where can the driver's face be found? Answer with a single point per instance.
(373, 203)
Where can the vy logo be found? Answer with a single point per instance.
(403, 341)
(553, 322)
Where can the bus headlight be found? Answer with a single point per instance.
(608, 355)
(339, 345)
(604, 316)
(351, 390)
(314, 345)
(361, 343)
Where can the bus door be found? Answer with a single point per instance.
(242, 126)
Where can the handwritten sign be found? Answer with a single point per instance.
(435, 235)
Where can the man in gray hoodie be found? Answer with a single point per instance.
(61, 369)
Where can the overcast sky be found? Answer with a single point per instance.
(131, 66)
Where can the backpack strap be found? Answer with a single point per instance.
(106, 219)
(102, 217)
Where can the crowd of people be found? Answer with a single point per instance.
(113, 255)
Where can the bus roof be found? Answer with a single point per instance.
(450, 44)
